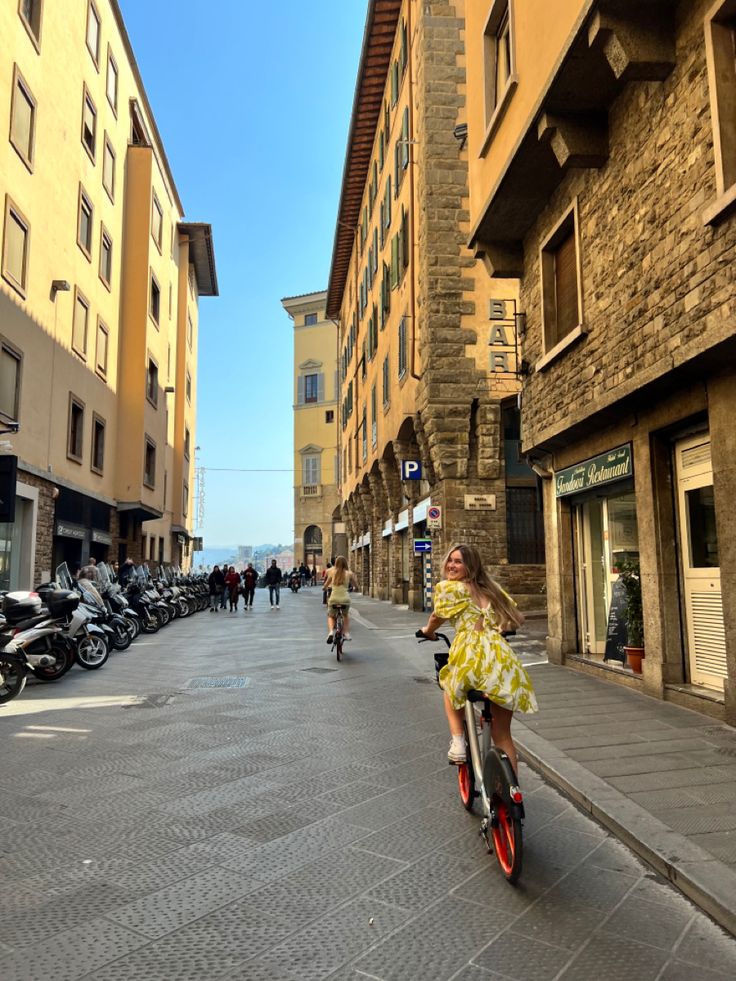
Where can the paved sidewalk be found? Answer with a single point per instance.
(661, 777)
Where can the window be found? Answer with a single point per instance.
(85, 217)
(101, 348)
(560, 285)
(498, 61)
(720, 37)
(329, 416)
(98, 444)
(79, 325)
(374, 417)
(152, 382)
(395, 260)
(157, 222)
(184, 499)
(22, 119)
(108, 169)
(394, 83)
(93, 33)
(75, 437)
(310, 319)
(161, 548)
(187, 438)
(188, 388)
(10, 365)
(311, 388)
(105, 256)
(402, 347)
(311, 471)
(89, 124)
(30, 14)
(16, 244)
(364, 438)
(404, 142)
(190, 330)
(111, 86)
(386, 383)
(149, 463)
(155, 308)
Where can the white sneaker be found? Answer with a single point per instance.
(457, 753)
(346, 637)
(278, 607)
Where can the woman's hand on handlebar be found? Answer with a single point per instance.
(422, 634)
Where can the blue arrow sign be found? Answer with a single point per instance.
(422, 545)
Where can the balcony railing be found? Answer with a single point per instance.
(311, 490)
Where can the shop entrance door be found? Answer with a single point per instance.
(701, 573)
(606, 531)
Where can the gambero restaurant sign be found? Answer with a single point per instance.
(615, 465)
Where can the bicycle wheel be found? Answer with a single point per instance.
(507, 840)
(466, 780)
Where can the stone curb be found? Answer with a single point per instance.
(710, 884)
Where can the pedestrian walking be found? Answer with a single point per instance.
(217, 584)
(232, 581)
(89, 571)
(273, 581)
(479, 657)
(250, 581)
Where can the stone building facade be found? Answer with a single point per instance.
(624, 249)
(425, 422)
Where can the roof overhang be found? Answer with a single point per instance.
(139, 511)
(201, 255)
(375, 58)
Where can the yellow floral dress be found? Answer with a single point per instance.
(480, 659)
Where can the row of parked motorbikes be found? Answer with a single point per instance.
(70, 621)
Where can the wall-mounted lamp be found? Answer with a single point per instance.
(541, 466)
(169, 390)
(461, 134)
(60, 286)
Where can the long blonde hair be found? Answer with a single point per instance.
(509, 616)
(340, 571)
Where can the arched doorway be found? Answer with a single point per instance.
(313, 547)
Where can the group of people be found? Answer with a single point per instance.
(479, 610)
(227, 585)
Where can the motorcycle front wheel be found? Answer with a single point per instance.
(12, 677)
(92, 652)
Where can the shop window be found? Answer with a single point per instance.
(22, 119)
(93, 33)
(111, 86)
(561, 294)
(149, 463)
(16, 246)
(152, 382)
(79, 324)
(30, 13)
(105, 256)
(10, 373)
(75, 438)
(108, 169)
(98, 444)
(89, 124)
(103, 337)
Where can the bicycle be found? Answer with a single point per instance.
(487, 774)
(338, 636)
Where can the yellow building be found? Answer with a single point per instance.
(99, 289)
(427, 342)
(318, 533)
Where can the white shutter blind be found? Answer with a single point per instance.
(300, 390)
(320, 387)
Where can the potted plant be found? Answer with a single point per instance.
(630, 578)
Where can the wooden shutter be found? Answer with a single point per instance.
(320, 387)
(300, 390)
(566, 287)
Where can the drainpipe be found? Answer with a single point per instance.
(412, 286)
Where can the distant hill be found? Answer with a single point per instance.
(219, 554)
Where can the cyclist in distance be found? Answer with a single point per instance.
(336, 584)
(479, 657)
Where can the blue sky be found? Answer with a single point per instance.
(253, 104)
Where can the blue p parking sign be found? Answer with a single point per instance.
(411, 470)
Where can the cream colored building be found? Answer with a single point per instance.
(318, 533)
(99, 291)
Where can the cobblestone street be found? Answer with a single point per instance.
(225, 801)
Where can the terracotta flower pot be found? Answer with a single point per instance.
(634, 657)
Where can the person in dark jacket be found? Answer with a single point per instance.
(217, 585)
(250, 581)
(273, 581)
(232, 581)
